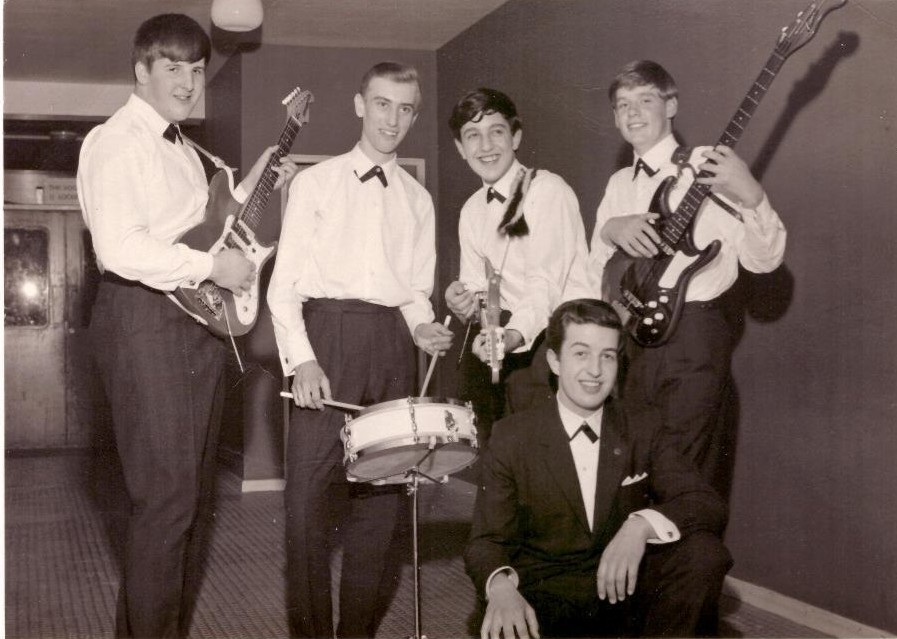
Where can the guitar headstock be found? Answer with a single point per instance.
(297, 104)
(804, 27)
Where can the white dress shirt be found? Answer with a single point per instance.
(139, 193)
(347, 239)
(757, 241)
(539, 270)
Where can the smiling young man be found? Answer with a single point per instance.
(141, 187)
(686, 377)
(538, 270)
(583, 526)
(350, 299)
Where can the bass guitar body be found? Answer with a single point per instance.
(649, 292)
(223, 312)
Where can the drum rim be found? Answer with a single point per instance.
(417, 401)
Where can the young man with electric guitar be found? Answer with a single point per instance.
(350, 300)
(680, 347)
(523, 252)
(141, 186)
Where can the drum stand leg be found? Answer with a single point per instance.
(413, 488)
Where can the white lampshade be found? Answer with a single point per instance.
(237, 15)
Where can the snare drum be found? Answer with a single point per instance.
(384, 441)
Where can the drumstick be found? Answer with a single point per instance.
(328, 402)
(423, 390)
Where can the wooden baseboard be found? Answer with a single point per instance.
(262, 485)
(799, 612)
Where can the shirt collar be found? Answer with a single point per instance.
(572, 421)
(361, 163)
(660, 153)
(503, 184)
(144, 110)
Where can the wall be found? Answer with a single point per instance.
(813, 505)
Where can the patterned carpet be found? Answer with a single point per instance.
(62, 511)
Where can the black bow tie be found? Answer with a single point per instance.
(172, 134)
(640, 165)
(492, 194)
(585, 428)
(375, 170)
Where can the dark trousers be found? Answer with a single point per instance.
(676, 594)
(368, 355)
(686, 379)
(163, 374)
(525, 381)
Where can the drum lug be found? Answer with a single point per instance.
(416, 437)
(472, 416)
(451, 427)
(346, 436)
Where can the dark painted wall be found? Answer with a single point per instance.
(814, 503)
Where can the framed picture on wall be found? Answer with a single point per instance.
(415, 166)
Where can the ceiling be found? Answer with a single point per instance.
(90, 40)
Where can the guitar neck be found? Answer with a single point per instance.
(251, 214)
(691, 203)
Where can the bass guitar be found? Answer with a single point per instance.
(228, 224)
(650, 292)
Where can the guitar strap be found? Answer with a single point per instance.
(217, 162)
(680, 158)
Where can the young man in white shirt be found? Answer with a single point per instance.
(350, 299)
(539, 268)
(141, 187)
(684, 378)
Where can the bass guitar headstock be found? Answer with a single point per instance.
(804, 27)
(297, 104)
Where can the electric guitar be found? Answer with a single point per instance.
(228, 224)
(649, 292)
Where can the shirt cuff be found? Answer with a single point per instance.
(512, 575)
(299, 353)
(666, 530)
(201, 267)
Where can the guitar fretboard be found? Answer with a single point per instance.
(252, 213)
(680, 220)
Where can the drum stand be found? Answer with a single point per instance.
(415, 474)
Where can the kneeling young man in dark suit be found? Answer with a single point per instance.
(583, 526)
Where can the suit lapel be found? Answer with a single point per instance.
(559, 463)
(611, 461)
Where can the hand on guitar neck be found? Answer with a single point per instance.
(730, 176)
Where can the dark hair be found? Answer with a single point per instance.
(640, 73)
(170, 35)
(395, 71)
(473, 106)
(581, 311)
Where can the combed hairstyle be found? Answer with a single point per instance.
(481, 102)
(170, 35)
(641, 73)
(395, 71)
(580, 311)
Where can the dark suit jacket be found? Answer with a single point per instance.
(529, 511)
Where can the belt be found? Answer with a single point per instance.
(114, 278)
(328, 305)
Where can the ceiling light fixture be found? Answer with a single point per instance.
(237, 15)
